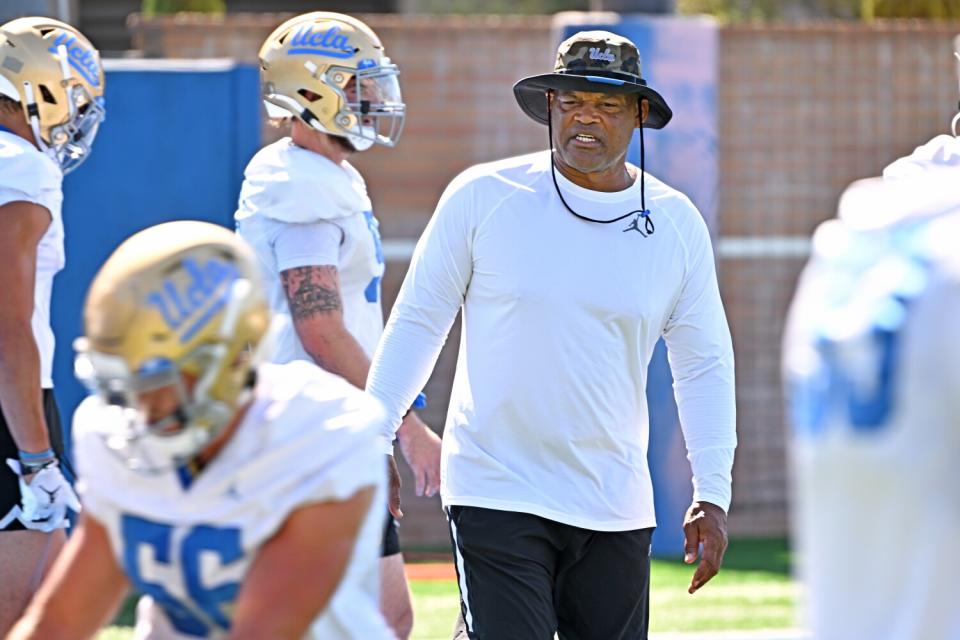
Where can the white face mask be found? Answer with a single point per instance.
(78, 133)
(144, 446)
(373, 111)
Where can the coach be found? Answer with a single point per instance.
(569, 265)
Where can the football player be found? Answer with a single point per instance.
(305, 210)
(51, 103)
(872, 364)
(241, 501)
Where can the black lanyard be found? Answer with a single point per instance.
(642, 212)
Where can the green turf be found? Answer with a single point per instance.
(116, 633)
(753, 591)
(435, 608)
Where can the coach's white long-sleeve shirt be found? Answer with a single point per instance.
(548, 413)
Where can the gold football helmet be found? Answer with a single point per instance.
(178, 298)
(329, 70)
(56, 76)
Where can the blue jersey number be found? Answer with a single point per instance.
(863, 399)
(205, 609)
(372, 292)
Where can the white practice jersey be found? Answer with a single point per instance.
(28, 175)
(872, 367)
(548, 413)
(291, 200)
(186, 544)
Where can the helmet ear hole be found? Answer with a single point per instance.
(309, 95)
(47, 95)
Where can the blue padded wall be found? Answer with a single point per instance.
(177, 137)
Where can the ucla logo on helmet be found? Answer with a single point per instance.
(189, 307)
(331, 43)
(82, 59)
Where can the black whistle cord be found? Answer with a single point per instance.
(643, 212)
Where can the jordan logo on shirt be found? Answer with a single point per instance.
(648, 227)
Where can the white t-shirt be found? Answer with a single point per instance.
(872, 366)
(548, 413)
(28, 175)
(297, 208)
(307, 438)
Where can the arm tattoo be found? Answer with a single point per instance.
(311, 291)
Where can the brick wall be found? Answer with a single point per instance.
(457, 75)
(804, 110)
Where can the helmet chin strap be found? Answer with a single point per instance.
(642, 212)
(360, 144)
(357, 143)
(33, 116)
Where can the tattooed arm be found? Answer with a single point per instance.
(316, 307)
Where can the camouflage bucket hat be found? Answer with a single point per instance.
(597, 61)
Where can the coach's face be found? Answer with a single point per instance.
(593, 130)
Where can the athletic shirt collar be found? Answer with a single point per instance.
(630, 194)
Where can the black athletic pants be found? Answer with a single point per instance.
(524, 577)
(390, 543)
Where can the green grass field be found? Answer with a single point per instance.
(753, 591)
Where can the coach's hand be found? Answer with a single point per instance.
(421, 449)
(393, 479)
(705, 524)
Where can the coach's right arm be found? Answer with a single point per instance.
(700, 352)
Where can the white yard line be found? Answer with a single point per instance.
(733, 247)
(763, 246)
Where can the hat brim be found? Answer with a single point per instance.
(531, 94)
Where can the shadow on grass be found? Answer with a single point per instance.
(769, 555)
(126, 616)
